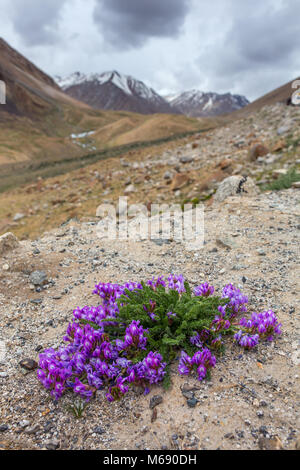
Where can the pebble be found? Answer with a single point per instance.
(28, 364)
(52, 444)
(155, 401)
(24, 423)
(226, 242)
(38, 278)
(192, 402)
(32, 429)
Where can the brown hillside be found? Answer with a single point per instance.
(279, 95)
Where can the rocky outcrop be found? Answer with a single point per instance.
(235, 186)
(8, 242)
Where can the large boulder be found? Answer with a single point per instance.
(179, 181)
(236, 185)
(258, 150)
(8, 242)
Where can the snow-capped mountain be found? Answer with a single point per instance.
(115, 91)
(197, 103)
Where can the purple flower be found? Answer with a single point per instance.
(150, 310)
(134, 336)
(154, 283)
(171, 315)
(237, 300)
(245, 340)
(185, 364)
(196, 340)
(176, 283)
(204, 290)
(202, 360)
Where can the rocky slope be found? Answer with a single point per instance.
(262, 146)
(251, 400)
(115, 91)
(197, 103)
(251, 240)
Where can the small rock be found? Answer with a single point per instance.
(186, 159)
(8, 242)
(5, 267)
(38, 278)
(263, 430)
(258, 150)
(18, 217)
(52, 444)
(229, 435)
(188, 394)
(226, 242)
(192, 402)
(154, 415)
(28, 364)
(179, 180)
(24, 423)
(33, 429)
(99, 430)
(130, 189)
(3, 427)
(155, 400)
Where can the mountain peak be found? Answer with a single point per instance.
(198, 103)
(114, 90)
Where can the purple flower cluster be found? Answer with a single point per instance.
(204, 290)
(176, 283)
(263, 325)
(154, 283)
(90, 360)
(245, 340)
(151, 369)
(202, 361)
(195, 340)
(111, 292)
(134, 338)
(220, 322)
(237, 299)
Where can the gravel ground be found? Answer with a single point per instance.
(251, 401)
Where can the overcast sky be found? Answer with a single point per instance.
(243, 46)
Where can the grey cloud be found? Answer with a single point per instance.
(270, 37)
(261, 46)
(130, 23)
(36, 21)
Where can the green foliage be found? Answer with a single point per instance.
(77, 408)
(167, 335)
(283, 182)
